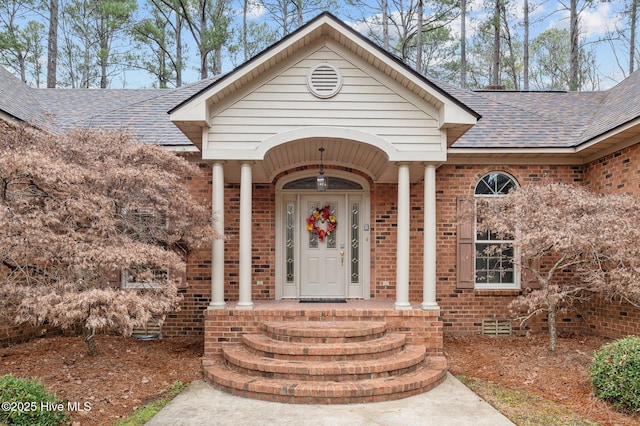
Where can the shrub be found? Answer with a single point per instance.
(615, 374)
(26, 402)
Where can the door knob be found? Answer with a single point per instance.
(342, 257)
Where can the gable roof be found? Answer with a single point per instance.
(191, 115)
(328, 17)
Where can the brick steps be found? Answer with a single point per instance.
(384, 346)
(339, 371)
(315, 362)
(324, 332)
(322, 392)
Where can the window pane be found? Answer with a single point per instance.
(313, 238)
(331, 238)
(494, 257)
(495, 184)
(355, 243)
(483, 188)
(334, 183)
(503, 184)
(290, 242)
(494, 263)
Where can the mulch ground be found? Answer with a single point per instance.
(125, 374)
(525, 363)
(128, 373)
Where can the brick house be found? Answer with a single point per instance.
(399, 152)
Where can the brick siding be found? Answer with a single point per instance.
(618, 172)
(196, 291)
(462, 310)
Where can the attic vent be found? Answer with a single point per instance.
(324, 80)
(496, 327)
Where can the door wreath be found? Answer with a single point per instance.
(319, 216)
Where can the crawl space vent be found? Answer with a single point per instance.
(496, 327)
(324, 80)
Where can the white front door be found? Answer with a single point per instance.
(322, 252)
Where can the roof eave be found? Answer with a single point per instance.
(8, 117)
(610, 141)
(513, 156)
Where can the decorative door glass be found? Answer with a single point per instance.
(355, 243)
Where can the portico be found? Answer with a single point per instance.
(381, 126)
(358, 285)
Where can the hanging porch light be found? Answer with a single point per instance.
(322, 182)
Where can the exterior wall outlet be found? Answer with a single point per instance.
(259, 283)
(385, 283)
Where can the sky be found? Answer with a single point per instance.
(596, 23)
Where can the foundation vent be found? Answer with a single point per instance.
(324, 80)
(496, 327)
(152, 330)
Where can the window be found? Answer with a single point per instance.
(147, 226)
(494, 266)
(143, 277)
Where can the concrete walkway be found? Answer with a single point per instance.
(451, 403)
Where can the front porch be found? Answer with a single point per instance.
(223, 326)
(383, 130)
(324, 353)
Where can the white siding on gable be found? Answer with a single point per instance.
(368, 102)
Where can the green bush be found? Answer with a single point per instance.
(615, 374)
(26, 402)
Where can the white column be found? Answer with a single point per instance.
(402, 254)
(429, 260)
(217, 250)
(244, 274)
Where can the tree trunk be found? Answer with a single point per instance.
(178, 50)
(217, 61)
(495, 76)
(23, 68)
(163, 78)
(245, 31)
(203, 50)
(553, 332)
(52, 45)
(90, 336)
(632, 36)
(525, 47)
(573, 53)
(419, 37)
(512, 55)
(385, 26)
(103, 63)
(300, 17)
(463, 43)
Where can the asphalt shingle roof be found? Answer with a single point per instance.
(144, 112)
(621, 105)
(18, 100)
(529, 119)
(509, 119)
